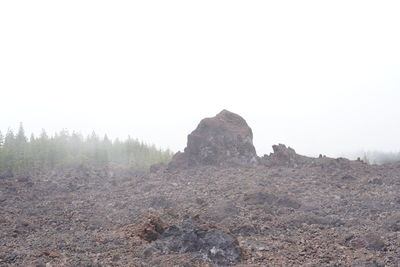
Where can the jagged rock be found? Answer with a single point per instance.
(287, 157)
(225, 139)
(151, 229)
(209, 244)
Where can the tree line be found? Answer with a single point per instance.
(19, 154)
(378, 157)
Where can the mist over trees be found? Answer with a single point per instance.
(18, 154)
(378, 157)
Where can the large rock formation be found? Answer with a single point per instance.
(225, 139)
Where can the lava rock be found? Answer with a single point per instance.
(211, 245)
(285, 156)
(223, 140)
(151, 229)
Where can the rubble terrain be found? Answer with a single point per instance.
(213, 208)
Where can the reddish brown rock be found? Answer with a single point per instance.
(151, 229)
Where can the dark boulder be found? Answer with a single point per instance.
(208, 244)
(223, 140)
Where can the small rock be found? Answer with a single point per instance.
(151, 229)
(377, 181)
(348, 177)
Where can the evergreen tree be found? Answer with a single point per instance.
(1, 139)
(9, 152)
(21, 147)
(1, 152)
(21, 138)
(43, 150)
(19, 155)
(32, 138)
(76, 143)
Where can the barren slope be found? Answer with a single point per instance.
(344, 213)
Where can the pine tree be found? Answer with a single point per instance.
(1, 152)
(1, 139)
(43, 150)
(21, 134)
(9, 152)
(76, 150)
(105, 148)
(20, 156)
(21, 146)
(61, 141)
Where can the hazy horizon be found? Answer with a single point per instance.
(323, 78)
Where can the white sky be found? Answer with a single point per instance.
(320, 76)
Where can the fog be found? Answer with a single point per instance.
(321, 77)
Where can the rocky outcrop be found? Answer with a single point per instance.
(223, 140)
(285, 157)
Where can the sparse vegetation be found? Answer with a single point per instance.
(20, 155)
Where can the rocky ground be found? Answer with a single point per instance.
(279, 210)
(320, 216)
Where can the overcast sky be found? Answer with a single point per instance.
(320, 76)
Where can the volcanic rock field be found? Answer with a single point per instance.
(215, 204)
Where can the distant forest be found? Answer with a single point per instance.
(20, 155)
(377, 157)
